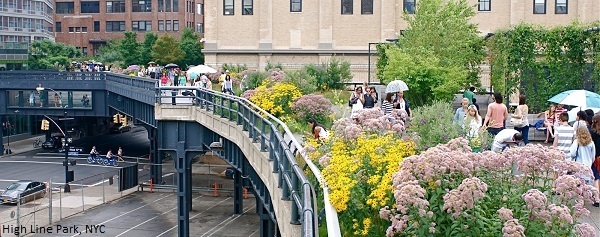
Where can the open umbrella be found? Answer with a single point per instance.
(583, 98)
(133, 67)
(171, 65)
(396, 86)
(193, 72)
(151, 63)
(573, 112)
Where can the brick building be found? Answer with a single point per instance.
(295, 32)
(88, 25)
(22, 22)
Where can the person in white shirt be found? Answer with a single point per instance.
(581, 121)
(505, 138)
(204, 79)
(583, 149)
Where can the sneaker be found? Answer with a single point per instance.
(597, 204)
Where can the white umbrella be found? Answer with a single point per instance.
(193, 72)
(396, 86)
(573, 112)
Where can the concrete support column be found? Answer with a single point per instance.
(184, 194)
(267, 226)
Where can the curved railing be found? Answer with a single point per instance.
(274, 136)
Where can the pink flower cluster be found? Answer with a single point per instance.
(247, 94)
(585, 230)
(409, 196)
(535, 200)
(512, 228)
(276, 74)
(505, 214)
(561, 213)
(371, 121)
(464, 197)
(311, 106)
(571, 187)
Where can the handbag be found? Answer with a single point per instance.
(517, 122)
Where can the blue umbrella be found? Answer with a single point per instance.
(582, 98)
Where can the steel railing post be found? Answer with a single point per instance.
(82, 197)
(103, 196)
(50, 202)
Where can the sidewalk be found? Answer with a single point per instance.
(22, 146)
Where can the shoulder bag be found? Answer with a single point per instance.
(517, 122)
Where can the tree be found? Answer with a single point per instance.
(166, 50)
(109, 53)
(146, 47)
(46, 54)
(191, 47)
(442, 48)
(129, 49)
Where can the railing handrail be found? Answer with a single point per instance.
(331, 215)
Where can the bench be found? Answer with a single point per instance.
(534, 134)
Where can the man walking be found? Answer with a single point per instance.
(497, 113)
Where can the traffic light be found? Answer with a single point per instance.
(124, 120)
(116, 118)
(45, 125)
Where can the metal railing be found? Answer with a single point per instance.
(274, 136)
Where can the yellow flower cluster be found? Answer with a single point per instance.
(359, 175)
(276, 100)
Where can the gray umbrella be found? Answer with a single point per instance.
(396, 86)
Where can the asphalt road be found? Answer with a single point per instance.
(155, 214)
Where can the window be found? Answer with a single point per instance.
(366, 7)
(96, 26)
(175, 6)
(115, 6)
(168, 26)
(115, 26)
(85, 51)
(84, 29)
(484, 5)
(77, 29)
(175, 25)
(561, 7)
(200, 8)
(539, 7)
(71, 29)
(246, 7)
(161, 5)
(168, 6)
(295, 5)
(409, 6)
(161, 25)
(200, 28)
(90, 7)
(65, 7)
(141, 6)
(227, 7)
(347, 7)
(58, 26)
(141, 25)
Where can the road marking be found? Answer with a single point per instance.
(167, 175)
(136, 226)
(167, 231)
(255, 232)
(55, 163)
(111, 219)
(228, 222)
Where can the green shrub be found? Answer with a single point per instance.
(273, 66)
(330, 75)
(237, 68)
(254, 80)
(301, 79)
(432, 124)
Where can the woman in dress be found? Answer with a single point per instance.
(472, 121)
(182, 79)
(549, 117)
(521, 113)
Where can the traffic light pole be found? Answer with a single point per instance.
(65, 144)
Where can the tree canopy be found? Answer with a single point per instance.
(438, 54)
(166, 50)
(46, 54)
(190, 45)
(129, 49)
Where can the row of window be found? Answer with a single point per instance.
(539, 6)
(117, 6)
(117, 26)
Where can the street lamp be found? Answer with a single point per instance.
(65, 141)
(394, 40)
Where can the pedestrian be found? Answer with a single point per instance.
(470, 94)
(595, 133)
(472, 122)
(521, 113)
(563, 133)
(459, 115)
(357, 100)
(31, 99)
(580, 121)
(583, 150)
(370, 100)
(402, 103)
(496, 115)
(505, 138)
(120, 154)
(318, 130)
(387, 105)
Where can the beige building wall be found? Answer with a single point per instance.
(319, 32)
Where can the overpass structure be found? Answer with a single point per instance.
(260, 147)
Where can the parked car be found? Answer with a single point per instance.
(118, 128)
(27, 190)
(54, 142)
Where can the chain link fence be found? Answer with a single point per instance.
(53, 204)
